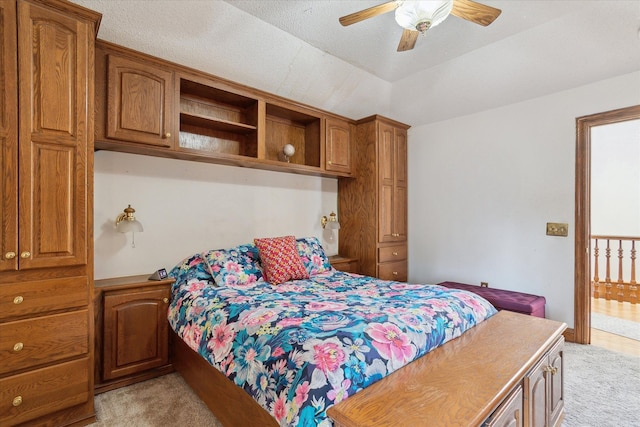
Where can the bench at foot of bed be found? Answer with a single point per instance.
(502, 299)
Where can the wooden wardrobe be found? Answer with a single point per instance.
(46, 191)
(372, 207)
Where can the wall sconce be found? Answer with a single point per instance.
(288, 151)
(126, 222)
(331, 222)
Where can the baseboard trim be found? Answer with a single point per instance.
(569, 335)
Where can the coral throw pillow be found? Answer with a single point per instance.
(280, 259)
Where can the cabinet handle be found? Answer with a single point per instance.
(25, 254)
(165, 300)
(18, 300)
(17, 401)
(167, 135)
(394, 253)
(18, 346)
(10, 255)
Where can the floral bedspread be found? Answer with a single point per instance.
(302, 346)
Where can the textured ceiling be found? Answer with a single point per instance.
(583, 26)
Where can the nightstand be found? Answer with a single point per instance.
(348, 265)
(132, 331)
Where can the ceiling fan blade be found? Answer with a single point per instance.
(369, 13)
(408, 40)
(475, 12)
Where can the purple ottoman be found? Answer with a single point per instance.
(505, 300)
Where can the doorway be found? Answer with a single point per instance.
(582, 286)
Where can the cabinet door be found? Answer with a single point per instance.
(555, 383)
(536, 395)
(385, 183)
(509, 414)
(338, 145)
(135, 332)
(139, 102)
(55, 135)
(392, 181)
(8, 138)
(400, 185)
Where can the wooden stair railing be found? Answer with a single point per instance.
(619, 290)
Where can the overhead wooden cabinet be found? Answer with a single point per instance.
(372, 207)
(146, 105)
(338, 144)
(46, 191)
(139, 100)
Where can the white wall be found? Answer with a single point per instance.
(188, 207)
(615, 179)
(482, 188)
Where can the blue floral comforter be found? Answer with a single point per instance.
(302, 346)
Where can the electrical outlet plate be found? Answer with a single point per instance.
(557, 229)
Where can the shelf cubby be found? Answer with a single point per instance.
(216, 121)
(298, 128)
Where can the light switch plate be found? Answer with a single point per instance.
(557, 229)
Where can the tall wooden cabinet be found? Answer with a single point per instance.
(46, 327)
(372, 207)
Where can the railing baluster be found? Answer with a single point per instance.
(620, 285)
(633, 289)
(625, 290)
(607, 277)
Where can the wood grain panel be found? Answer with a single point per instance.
(44, 391)
(139, 102)
(392, 253)
(55, 129)
(358, 201)
(338, 145)
(8, 137)
(43, 296)
(135, 331)
(32, 342)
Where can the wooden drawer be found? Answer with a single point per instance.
(393, 271)
(26, 396)
(392, 253)
(33, 342)
(348, 265)
(42, 296)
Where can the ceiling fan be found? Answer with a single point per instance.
(416, 17)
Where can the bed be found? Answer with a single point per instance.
(297, 347)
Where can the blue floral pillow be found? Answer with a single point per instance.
(313, 256)
(239, 266)
(193, 267)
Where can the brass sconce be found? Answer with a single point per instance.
(331, 222)
(126, 222)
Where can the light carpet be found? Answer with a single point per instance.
(614, 325)
(602, 389)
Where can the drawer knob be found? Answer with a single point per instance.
(395, 253)
(165, 300)
(10, 255)
(18, 346)
(25, 254)
(18, 300)
(17, 401)
(395, 273)
(167, 135)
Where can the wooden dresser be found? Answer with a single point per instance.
(46, 265)
(372, 207)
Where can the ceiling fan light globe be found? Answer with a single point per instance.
(412, 14)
